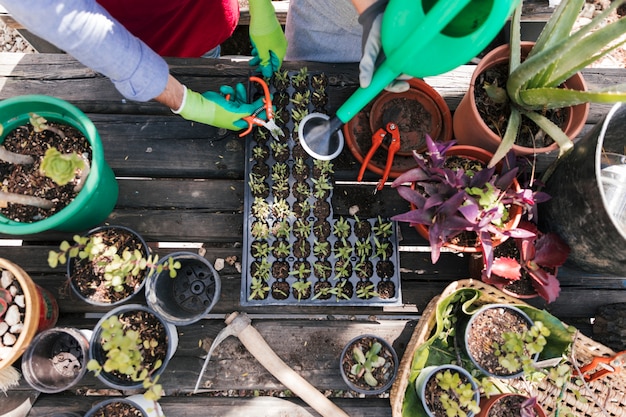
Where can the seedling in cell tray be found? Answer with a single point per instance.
(258, 289)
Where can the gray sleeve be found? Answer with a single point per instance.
(323, 31)
(86, 31)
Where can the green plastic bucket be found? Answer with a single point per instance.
(96, 200)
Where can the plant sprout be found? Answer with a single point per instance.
(518, 349)
(458, 396)
(263, 270)
(281, 209)
(366, 362)
(281, 249)
(366, 292)
(258, 289)
(260, 229)
(118, 268)
(260, 249)
(321, 249)
(383, 229)
(343, 252)
(301, 287)
(342, 228)
(302, 228)
(302, 272)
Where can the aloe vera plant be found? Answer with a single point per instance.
(533, 85)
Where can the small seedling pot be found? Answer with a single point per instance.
(465, 329)
(392, 370)
(189, 296)
(146, 407)
(486, 404)
(56, 359)
(429, 372)
(97, 352)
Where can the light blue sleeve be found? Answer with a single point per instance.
(86, 31)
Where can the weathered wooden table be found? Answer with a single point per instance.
(182, 186)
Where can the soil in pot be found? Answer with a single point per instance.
(117, 409)
(508, 406)
(496, 115)
(486, 328)
(26, 179)
(383, 375)
(149, 328)
(87, 277)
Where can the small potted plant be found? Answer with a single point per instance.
(535, 259)
(108, 264)
(183, 293)
(56, 359)
(511, 405)
(531, 86)
(369, 364)
(33, 126)
(134, 405)
(448, 391)
(502, 341)
(130, 347)
(447, 200)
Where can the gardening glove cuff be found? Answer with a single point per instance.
(269, 43)
(373, 55)
(214, 109)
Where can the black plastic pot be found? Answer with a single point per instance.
(189, 296)
(56, 359)
(578, 210)
(348, 379)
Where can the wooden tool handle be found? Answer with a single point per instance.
(258, 347)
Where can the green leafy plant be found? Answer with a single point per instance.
(321, 186)
(258, 289)
(366, 362)
(343, 252)
(261, 208)
(260, 249)
(125, 352)
(366, 292)
(302, 228)
(519, 349)
(301, 287)
(262, 270)
(381, 249)
(62, 168)
(342, 228)
(281, 229)
(302, 272)
(363, 249)
(533, 85)
(257, 184)
(281, 209)
(321, 249)
(118, 267)
(340, 291)
(260, 229)
(324, 167)
(383, 229)
(458, 397)
(281, 249)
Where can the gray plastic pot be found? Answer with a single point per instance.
(146, 407)
(430, 371)
(579, 208)
(385, 345)
(189, 296)
(97, 352)
(56, 359)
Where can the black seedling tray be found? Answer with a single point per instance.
(272, 218)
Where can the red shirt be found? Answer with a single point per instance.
(182, 28)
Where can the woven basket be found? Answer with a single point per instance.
(603, 397)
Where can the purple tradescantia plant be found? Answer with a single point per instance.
(450, 201)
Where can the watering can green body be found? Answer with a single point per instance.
(424, 38)
(97, 198)
(420, 38)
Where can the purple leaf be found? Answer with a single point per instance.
(412, 196)
(410, 176)
(482, 177)
(507, 268)
(417, 216)
(551, 250)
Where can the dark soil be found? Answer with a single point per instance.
(280, 290)
(381, 374)
(88, 276)
(149, 328)
(508, 406)
(486, 329)
(385, 269)
(118, 409)
(362, 229)
(496, 115)
(26, 179)
(386, 289)
(364, 269)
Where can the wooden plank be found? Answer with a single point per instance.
(202, 406)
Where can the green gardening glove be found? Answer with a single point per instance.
(269, 43)
(214, 109)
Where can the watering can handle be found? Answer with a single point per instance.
(434, 22)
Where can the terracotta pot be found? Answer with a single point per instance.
(470, 129)
(358, 131)
(41, 311)
(487, 403)
(515, 212)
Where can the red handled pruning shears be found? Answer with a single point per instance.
(254, 120)
(377, 139)
(604, 366)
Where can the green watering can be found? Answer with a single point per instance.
(420, 38)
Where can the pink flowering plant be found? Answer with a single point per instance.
(450, 201)
(538, 259)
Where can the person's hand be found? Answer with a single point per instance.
(215, 109)
(269, 43)
(371, 19)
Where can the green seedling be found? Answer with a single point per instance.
(366, 362)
